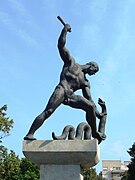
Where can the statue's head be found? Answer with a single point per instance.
(92, 68)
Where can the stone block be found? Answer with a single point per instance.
(62, 152)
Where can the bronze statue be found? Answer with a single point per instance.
(73, 78)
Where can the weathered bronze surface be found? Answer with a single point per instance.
(73, 78)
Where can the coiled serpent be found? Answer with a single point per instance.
(82, 130)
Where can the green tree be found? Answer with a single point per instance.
(125, 176)
(9, 163)
(11, 167)
(28, 170)
(131, 166)
(6, 124)
(130, 174)
(90, 174)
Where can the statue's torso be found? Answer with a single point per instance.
(72, 77)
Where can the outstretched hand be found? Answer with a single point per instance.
(67, 27)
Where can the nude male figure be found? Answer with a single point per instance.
(72, 78)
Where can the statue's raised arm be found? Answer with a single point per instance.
(64, 53)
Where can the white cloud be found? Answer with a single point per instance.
(4, 18)
(18, 6)
(21, 33)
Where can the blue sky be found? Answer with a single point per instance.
(102, 31)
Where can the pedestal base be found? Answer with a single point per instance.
(62, 159)
(60, 172)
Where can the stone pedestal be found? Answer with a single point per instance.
(62, 159)
(60, 172)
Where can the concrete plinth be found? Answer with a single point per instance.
(60, 172)
(62, 159)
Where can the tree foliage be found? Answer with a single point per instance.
(130, 174)
(131, 166)
(9, 163)
(6, 124)
(90, 174)
(28, 170)
(11, 167)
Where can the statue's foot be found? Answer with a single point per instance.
(29, 137)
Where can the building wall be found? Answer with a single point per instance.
(112, 169)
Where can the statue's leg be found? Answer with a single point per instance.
(79, 102)
(55, 100)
